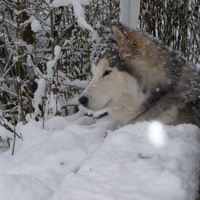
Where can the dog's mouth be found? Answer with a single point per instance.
(108, 103)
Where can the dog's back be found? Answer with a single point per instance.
(179, 102)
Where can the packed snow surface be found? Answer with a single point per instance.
(80, 158)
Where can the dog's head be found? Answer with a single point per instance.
(125, 69)
(113, 82)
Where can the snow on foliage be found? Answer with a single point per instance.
(36, 26)
(39, 94)
(52, 63)
(78, 10)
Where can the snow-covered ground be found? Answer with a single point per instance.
(80, 158)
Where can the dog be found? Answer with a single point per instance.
(136, 78)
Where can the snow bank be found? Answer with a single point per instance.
(81, 158)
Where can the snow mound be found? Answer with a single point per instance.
(69, 160)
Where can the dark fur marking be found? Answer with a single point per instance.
(154, 97)
(115, 60)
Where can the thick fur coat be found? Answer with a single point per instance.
(139, 79)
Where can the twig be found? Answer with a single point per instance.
(2, 122)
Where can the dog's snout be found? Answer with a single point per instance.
(83, 100)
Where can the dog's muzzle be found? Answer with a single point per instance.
(83, 100)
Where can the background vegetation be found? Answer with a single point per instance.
(28, 88)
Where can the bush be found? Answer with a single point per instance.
(45, 52)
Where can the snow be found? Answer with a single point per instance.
(36, 26)
(157, 134)
(78, 157)
(78, 10)
(52, 63)
(39, 93)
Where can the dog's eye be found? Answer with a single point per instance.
(106, 72)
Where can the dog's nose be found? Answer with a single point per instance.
(83, 100)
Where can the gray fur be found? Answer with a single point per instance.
(170, 85)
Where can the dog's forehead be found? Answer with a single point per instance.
(101, 47)
(102, 65)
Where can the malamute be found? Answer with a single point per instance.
(137, 78)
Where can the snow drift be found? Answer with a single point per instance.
(77, 157)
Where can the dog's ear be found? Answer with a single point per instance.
(121, 33)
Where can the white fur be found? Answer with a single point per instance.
(118, 91)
